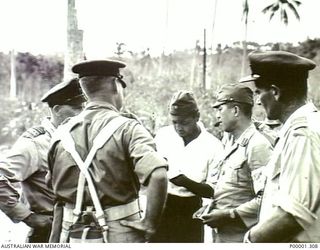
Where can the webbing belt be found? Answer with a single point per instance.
(111, 213)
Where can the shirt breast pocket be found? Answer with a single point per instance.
(239, 172)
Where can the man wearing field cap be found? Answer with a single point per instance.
(191, 152)
(26, 163)
(119, 165)
(291, 204)
(240, 180)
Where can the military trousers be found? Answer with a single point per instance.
(38, 235)
(177, 225)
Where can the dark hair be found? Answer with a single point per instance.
(95, 84)
(245, 108)
(291, 89)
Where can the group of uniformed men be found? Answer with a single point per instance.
(82, 170)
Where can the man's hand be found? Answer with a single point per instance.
(216, 217)
(198, 214)
(179, 180)
(141, 225)
(38, 220)
(281, 226)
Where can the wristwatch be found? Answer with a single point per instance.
(232, 213)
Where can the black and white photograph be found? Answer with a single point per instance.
(158, 122)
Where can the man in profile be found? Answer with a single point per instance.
(291, 203)
(240, 181)
(26, 163)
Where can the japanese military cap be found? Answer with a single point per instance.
(100, 68)
(234, 93)
(65, 93)
(183, 103)
(278, 67)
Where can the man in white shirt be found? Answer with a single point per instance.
(191, 152)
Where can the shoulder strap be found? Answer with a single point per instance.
(102, 137)
(269, 134)
(34, 132)
(69, 145)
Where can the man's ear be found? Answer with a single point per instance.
(116, 86)
(276, 92)
(56, 109)
(197, 116)
(236, 111)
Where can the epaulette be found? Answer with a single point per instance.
(266, 132)
(300, 122)
(67, 125)
(33, 132)
(131, 116)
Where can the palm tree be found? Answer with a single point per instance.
(282, 7)
(245, 15)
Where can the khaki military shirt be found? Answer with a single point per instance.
(294, 177)
(126, 160)
(240, 176)
(26, 163)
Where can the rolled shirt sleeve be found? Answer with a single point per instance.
(14, 168)
(300, 168)
(142, 151)
(9, 201)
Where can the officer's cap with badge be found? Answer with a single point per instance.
(234, 93)
(65, 93)
(183, 103)
(280, 68)
(100, 68)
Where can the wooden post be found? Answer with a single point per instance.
(204, 61)
(13, 80)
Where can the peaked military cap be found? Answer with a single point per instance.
(234, 93)
(100, 68)
(183, 103)
(278, 65)
(67, 92)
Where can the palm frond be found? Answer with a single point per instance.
(275, 7)
(245, 12)
(284, 16)
(271, 15)
(296, 2)
(268, 8)
(294, 10)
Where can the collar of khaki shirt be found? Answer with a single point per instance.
(99, 104)
(242, 141)
(48, 126)
(244, 138)
(297, 118)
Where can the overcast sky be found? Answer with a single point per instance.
(39, 26)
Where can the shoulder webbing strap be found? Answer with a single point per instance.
(68, 143)
(98, 142)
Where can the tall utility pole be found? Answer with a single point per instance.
(74, 51)
(204, 61)
(13, 79)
